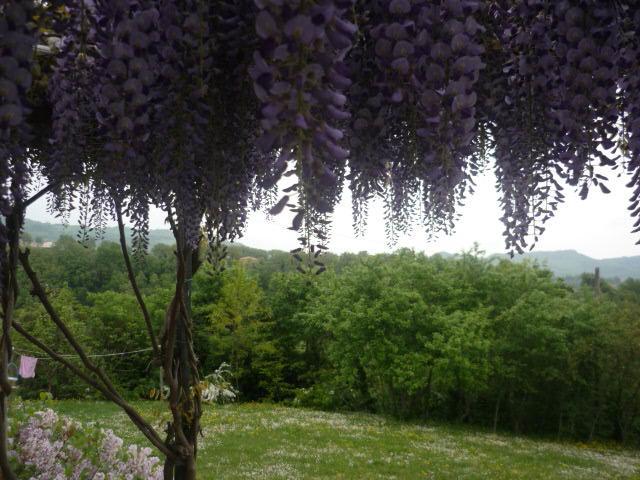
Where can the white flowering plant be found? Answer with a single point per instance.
(217, 388)
(48, 446)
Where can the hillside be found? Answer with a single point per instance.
(563, 263)
(569, 263)
(50, 232)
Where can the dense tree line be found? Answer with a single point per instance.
(467, 339)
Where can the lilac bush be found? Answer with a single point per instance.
(46, 446)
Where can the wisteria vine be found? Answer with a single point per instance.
(403, 99)
(17, 40)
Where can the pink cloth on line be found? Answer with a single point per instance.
(27, 367)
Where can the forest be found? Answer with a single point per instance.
(469, 339)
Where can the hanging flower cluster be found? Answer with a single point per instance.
(17, 39)
(299, 76)
(200, 108)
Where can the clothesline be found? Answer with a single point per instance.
(32, 354)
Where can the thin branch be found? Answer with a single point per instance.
(174, 227)
(134, 283)
(147, 430)
(39, 291)
(38, 195)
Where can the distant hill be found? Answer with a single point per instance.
(563, 263)
(569, 263)
(50, 232)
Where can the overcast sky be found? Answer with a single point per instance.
(599, 226)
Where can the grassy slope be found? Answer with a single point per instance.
(273, 442)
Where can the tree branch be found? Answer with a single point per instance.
(38, 195)
(39, 291)
(173, 226)
(134, 283)
(147, 430)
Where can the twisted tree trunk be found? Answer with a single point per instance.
(179, 361)
(181, 370)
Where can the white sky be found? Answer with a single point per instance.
(599, 226)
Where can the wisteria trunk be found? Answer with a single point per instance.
(185, 380)
(190, 420)
(9, 295)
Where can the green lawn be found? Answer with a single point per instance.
(272, 442)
